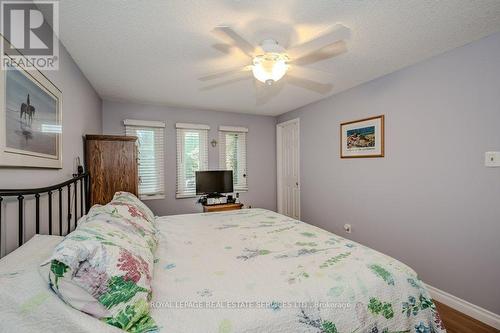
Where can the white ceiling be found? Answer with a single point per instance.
(154, 51)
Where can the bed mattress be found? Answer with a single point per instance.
(250, 270)
(254, 270)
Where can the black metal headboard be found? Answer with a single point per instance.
(22, 194)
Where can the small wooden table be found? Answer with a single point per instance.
(222, 207)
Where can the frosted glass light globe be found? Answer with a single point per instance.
(270, 67)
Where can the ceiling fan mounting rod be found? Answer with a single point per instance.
(271, 46)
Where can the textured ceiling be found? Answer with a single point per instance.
(154, 51)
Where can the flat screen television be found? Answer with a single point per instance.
(214, 182)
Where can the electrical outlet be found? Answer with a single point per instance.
(492, 159)
(347, 228)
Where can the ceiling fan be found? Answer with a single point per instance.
(272, 65)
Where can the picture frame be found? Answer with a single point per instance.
(30, 118)
(362, 138)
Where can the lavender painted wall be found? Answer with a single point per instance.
(261, 150)
(81, 114)
(430, 202)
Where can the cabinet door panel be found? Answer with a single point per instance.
(112, 165)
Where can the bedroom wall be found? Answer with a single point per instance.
(81, 115)
(261, 150)
(430, 202)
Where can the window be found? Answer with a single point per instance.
(150, 143)
(192, 156)
(233, 154)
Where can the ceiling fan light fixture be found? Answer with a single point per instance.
(270, 67)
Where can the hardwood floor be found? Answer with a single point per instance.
(457, 322)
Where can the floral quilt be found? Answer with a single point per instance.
(105, 267)
(257, 271)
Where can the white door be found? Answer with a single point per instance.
(288, 168)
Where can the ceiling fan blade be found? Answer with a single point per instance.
(225, 83)
(307, 72)
(228, 33)
(336, 33)
(325, 52)
(223, 47)
(264, 93)
(320, 88)
(229, 72)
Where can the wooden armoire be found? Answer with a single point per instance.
(111, 161)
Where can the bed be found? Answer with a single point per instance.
(251, 270)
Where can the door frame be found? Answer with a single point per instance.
(279, 129)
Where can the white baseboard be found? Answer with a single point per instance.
(474, 311)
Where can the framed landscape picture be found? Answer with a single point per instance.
(362, 138)
(30, 119)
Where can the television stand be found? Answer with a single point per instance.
(214, 195)
(221, 207)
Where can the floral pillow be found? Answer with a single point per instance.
(123, 207)
(129, 198)
(105, 267)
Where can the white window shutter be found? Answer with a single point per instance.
(151, 149)
(192, 156)
(233, 155)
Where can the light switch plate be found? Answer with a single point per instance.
(492, 159)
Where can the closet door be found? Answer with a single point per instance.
(288, 160)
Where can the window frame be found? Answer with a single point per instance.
(131, 123)
(223, 131)
(181, 129)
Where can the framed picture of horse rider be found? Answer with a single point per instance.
(30, 118)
